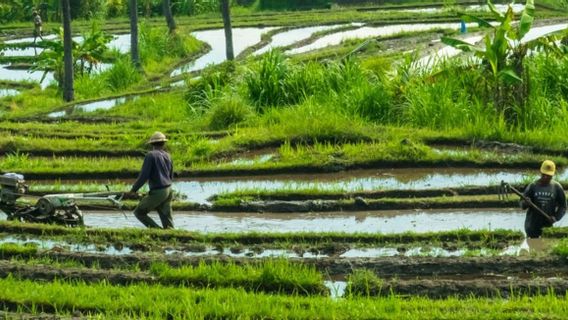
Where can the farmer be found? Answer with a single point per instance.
(37, 26)
(157, 169)
(548, 195)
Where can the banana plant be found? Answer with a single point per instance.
(505, 49)
(87, 54)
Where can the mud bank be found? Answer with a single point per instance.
(385, 267)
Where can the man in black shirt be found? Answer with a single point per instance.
(158, 171)
(549, 196)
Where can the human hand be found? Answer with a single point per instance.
(131, 195)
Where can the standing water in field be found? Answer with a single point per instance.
(349, 222)
(199, 190)
(242, 39)
(8, 92)
(292, 36)
(366, 32)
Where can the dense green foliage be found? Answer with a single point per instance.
(279, 276)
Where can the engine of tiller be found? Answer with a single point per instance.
(55, 209)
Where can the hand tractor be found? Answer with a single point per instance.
(58, 209)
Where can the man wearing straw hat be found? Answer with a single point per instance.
(548, 195)
(158, 171)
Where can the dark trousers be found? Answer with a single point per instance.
(159, 200)
(534, 223)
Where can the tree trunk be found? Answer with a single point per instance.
(134, 54)
(169, 16)
(225, 11)
(68, 91)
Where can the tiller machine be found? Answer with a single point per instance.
(58, 209)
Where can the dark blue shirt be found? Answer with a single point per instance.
(157, 169)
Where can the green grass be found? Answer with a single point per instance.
(157, 237)
(15, 249)
(158, 302)
(279, 276)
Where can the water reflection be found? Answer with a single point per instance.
(367, 32)
(8, 92)
(242, 39)
(200, 190)
(292, 36)
(375, 221)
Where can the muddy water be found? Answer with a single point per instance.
(357, 180)
(517, 7)
(8, 92)
(540, 31)
(120, 43)
(289, 37)
(242, 39)
(200, 189)
(21, 75)
(35, 76)
(368, 222)
(446, 52)
(94, 106)
(44, 244)
(366, 32)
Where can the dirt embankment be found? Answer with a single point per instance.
(384, 267)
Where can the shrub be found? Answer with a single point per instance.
(228, 111)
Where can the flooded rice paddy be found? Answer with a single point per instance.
(242, 39)
(289, 37)
(350, 222)
(94, 106)
(8, 92)
(199, 190)
(368, 31)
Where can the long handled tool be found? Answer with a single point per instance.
(503, 193)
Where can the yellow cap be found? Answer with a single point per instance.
(157, 137)
(548, 167)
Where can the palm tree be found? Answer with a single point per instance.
(225, 11)
(134, 53)
(68, 91)
(169, 16)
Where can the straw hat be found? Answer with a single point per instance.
(157, 137)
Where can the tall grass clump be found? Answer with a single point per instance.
(122, 75)
(363, 282)
(228, 111)
(159, 49)
(270, 276)
(214, 79)
(275, 81)
(444, 98)
(265, 83)
(561, 249)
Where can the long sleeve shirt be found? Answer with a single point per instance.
(157, 169)
(550, 198)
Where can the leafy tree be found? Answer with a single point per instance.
(504, 54)
(86, 54)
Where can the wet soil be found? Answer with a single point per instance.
(442, 288)
(49, 273)
(446, 239)
(384, 267)
(358, 205)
